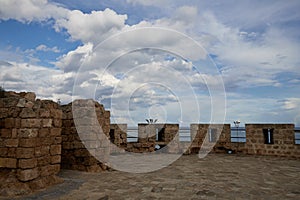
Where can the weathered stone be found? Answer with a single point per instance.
(55, 131)
(44, 160)
(46, 123)
(27, 133)
(8, 163)
(55, 149)
(50, 170)
(27, 174)
(28, 113)
(25, 152)
(9, 123)
(30, 123)
(27, 163)
(27, 142)
(42, 151)
(11, 142)
(56, 159)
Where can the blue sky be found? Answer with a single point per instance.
(248, 68)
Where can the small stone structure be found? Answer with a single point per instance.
(210, 137)
(85, 136)
(271, 139)
(30, 143)
(151, 135)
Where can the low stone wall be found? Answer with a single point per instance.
(85, 135)
(30, 143)
(271, 139)
(210, 137)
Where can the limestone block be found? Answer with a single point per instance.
(6, 133)
(44, 132)
(9, 123)
(55, 150)
(44, 113)
(3, 151)
(27, 133)
(56, 159)
(28, 174)
(25, 152)
(27, 163)
(27, 142)
(8, 163)
(30, 123)
(42, 151)
(50, 170)
(11, 142)
(44, 160)
(28, 113)
(55, 131)
(46, 123)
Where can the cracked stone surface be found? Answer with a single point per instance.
(217, 176)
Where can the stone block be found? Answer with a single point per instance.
(57, 123)
(6, 133)
(28, 113)
(11, 152)
(27, 174)
(50, 170)
(44, 132)
(30, 123)
(42, 151)
(46, 123)
(27, 142)
(11, 142)
(25, 152)
(44, 160)
(3, 151)
(55, 131)
(56, 114)
(27, 163)
(27, 133)
(8, 163)
(55, 150)
(55, 159)
(44, 113)
(9, 123)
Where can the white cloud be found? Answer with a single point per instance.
(45, 82)
(93, 27)
(43, 47)
(73, 59)
(30, 10)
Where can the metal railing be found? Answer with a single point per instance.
(236, 134)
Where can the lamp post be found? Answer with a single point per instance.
(237, 124)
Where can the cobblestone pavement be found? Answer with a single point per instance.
(217, 176)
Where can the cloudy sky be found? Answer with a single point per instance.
(177, 61)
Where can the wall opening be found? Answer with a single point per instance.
(112, 135)
(268, 135)
(159, 134)
(212, 133)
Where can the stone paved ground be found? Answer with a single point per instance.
(217, 176)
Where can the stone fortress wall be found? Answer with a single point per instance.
(30, 143)
(39, 137)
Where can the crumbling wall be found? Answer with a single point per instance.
(30, 143)
(118, 138)
(85, 133)
(282, 140)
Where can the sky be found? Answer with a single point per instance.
(176, 61)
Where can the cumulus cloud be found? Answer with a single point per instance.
(46, 82)
(30, 10)
(93, 27)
